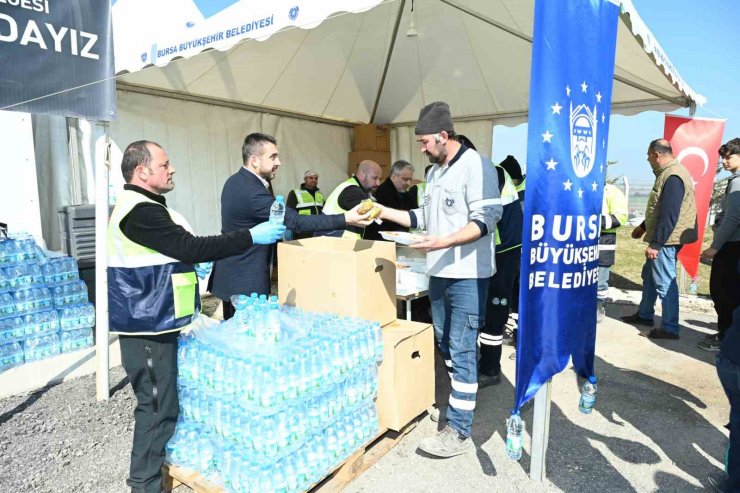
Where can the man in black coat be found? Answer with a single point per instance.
(394, 193)
(245, 202)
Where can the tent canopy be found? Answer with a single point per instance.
(351, 61)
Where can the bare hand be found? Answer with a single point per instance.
(638, 232)
(651, 253)
(709, 253)
(432, 243)
(356, 219)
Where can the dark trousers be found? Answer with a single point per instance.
(724, 284)
(151, 366)
(500, 299)
(228, 309)
(729, 376)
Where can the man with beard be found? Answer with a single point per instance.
(394, 192)
(460, 211)
(349, 194)
(246, 201)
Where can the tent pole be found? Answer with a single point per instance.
(102, 166)
(540, 432)
(387, 61)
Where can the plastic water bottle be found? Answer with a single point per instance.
(588, 395)
(514, 429)
(277, 210)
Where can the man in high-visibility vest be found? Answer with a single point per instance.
(350, 193)
(511, 165)
(153, 295)
(508, 241)
(613, 214)
(306, 199)
(417, 192)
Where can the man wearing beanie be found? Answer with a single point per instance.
(511, 165)
(460, 209)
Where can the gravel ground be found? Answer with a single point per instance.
(658, 426)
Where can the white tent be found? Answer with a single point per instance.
(198, 75)
(193, 78)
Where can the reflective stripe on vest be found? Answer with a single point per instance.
(509, 195)
(331, 206)
(308, 203)
(148, 293)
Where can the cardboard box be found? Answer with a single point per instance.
(339, 275)
(372, 138)
(406, 375)
(382, 158)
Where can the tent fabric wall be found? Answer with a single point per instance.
(204, 144)
(404, 146)
(61, 181)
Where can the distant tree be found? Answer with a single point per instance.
(609, 180)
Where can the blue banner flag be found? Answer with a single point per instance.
(569, 103)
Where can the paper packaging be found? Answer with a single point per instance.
(406, 375)
(381, 157)
(339, 275)
(370, 137)
(411, 270)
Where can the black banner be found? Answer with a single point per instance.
(56, 58)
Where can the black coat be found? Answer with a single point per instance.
(245, 203)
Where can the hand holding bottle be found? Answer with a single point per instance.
(267, 233)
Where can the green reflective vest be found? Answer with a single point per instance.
(308, 204)
(332, 205)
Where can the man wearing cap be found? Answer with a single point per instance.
(306, 199)
(460, 210)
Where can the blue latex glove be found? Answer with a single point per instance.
(203, 269)
(267, 233)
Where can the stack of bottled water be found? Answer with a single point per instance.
(43, 305)
(275, 398)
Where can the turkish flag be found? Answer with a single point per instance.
(695, 143)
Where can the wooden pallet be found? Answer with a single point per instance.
(345, 473)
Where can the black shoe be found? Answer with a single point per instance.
(659, 334)
(718, 482)
(485, 380)
(637, 319)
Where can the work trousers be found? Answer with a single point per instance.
(498, 303)
(458, 311)
(151, 366)
(729, 377)
(724, 284)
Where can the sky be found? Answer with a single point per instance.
(700, 38)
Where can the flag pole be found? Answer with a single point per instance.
(540, 432)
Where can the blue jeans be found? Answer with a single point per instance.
(458, 312)
(603, 286)
(729, 377)
(659, 279)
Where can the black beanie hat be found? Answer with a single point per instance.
(511, 165)
(433, 118)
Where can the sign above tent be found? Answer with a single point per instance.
(57, 58)
(366, 61)
(183, 28)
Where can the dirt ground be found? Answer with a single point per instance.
(658, 426)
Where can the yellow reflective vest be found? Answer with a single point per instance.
(148, 293)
